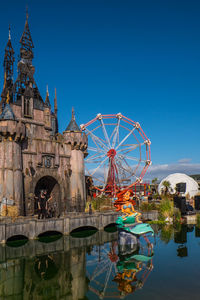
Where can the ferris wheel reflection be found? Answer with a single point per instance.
(120, 268)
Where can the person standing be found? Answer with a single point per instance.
(42, 205)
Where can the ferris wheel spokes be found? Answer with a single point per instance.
(103, 161)
(126, 168)
(97, 140)
(119, 155)
(105, 132)
(94, 149)
(125, 138)
(94, 157)
(130, 148)
(116, 130)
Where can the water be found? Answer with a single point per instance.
(100, 266)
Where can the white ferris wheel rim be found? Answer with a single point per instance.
(99, 152)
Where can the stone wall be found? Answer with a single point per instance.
(32, 228)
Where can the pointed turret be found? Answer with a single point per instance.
(27, 94)
(72, 127)
(78, 146)
(7, 113)
(47, 102)
(55, 104)
(8, 69)
(26, 42)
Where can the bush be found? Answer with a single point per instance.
(100, 204)
(157, 222)
(177, 216)
(166, 209)
(198, 220)
(145, 206)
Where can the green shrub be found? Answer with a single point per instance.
(166, 208)
(198, 220)
(166, 233)
(145, 206)
(158, 222)
(177, 216)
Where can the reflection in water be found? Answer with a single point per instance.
(166, 233)
(59, 275)
(197, 231)
(100, 266)
(180, 237)
(182, 251)
(126, 262)
(133, 266)
(45, 266)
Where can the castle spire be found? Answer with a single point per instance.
(26, 42)
(55, 104)
(8, 98)
(7, 113)
(73, 114)
(72, 124)
(8, 58)
(9, 35)
(47, 102)
(8, 67)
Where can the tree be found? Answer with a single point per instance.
(155, 185)
(167, 187)
(155, 180)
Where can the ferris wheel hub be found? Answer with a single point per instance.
(111, 153)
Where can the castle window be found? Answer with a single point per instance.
(27, 108)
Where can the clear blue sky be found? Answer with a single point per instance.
(140, 58)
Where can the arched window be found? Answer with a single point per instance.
(27, 108)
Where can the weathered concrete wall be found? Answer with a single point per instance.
(77, 180)
(150, 215)
(42, 152)
(11, 180)
(34, 247)
(24, 270)
(31, 228)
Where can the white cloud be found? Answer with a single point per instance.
(161, 171)
(184, 161)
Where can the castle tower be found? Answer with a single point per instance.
(25, 80)
(12, 133)
(78, 141)
(8, 72)
(47, 110)
(55, 123)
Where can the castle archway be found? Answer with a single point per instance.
(51, 185)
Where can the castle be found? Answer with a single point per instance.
(33, 155)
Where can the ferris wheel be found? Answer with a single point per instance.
(118, 152)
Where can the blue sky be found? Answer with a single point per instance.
(140, 58)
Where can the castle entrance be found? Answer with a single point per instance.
(52, 187)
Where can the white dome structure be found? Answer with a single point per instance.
(191, 185)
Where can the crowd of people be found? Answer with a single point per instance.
(45, 210)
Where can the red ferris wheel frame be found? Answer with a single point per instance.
(107, 150)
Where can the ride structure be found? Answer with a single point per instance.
(118, 153)
(118, 158)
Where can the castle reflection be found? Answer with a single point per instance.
(121, 267)
(103, 265)
(70, 267)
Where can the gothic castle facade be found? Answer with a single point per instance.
(33, 155)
